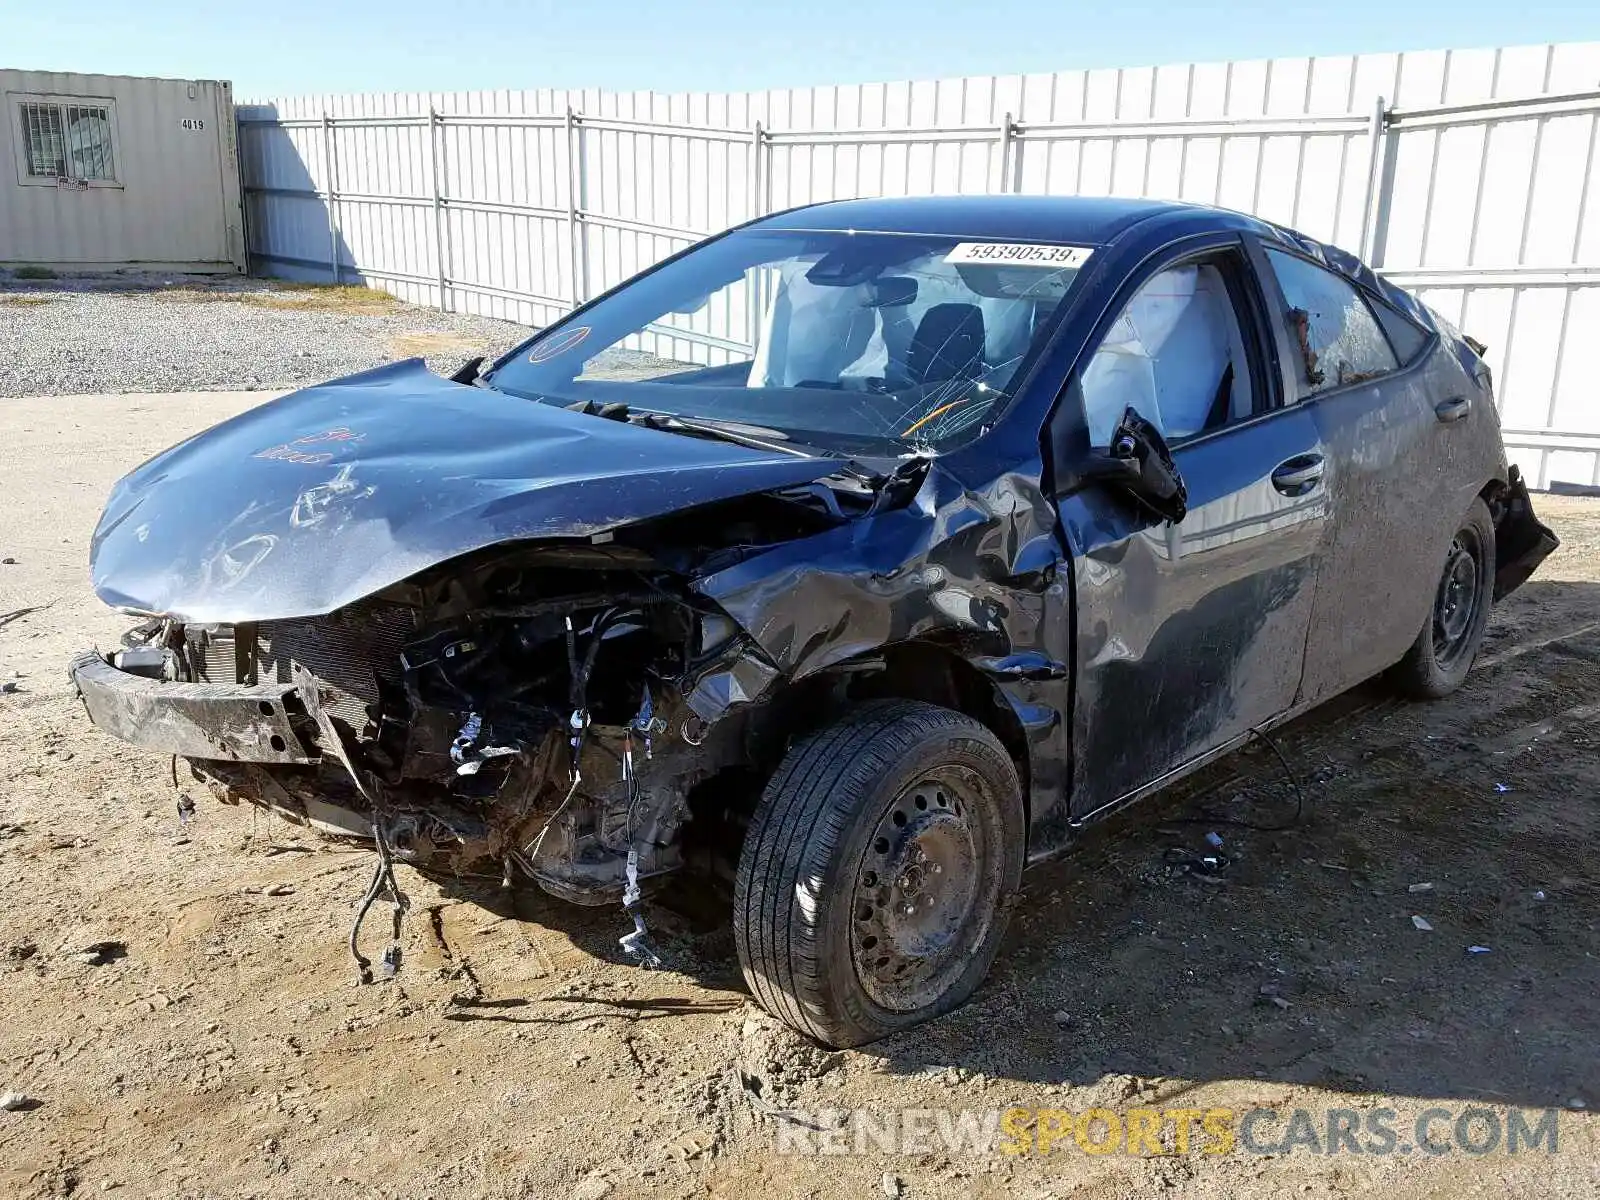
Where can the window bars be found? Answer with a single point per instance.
(67, 141)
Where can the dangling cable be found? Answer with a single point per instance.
(1204, 817)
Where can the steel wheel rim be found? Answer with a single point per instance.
(1460, 596)
(920, 906)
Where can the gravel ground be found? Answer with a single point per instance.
(169, 332)
(214, 1048)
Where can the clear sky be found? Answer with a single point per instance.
(271, 48)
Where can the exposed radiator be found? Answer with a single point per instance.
(350, 650)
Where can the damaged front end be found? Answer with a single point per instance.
(539, 645)
(525, 717)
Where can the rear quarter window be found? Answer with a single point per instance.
(1405, 335)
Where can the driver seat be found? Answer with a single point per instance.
(948, 345)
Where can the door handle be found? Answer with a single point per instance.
(1298, 475)
(1453, 409)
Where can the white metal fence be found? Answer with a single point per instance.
(1466, 176)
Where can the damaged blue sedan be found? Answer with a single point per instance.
(857, 557)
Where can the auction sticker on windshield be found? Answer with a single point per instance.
(1019, 254)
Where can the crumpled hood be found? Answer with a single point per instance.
(315, 500)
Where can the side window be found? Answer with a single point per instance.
(1176, 354)
(1338, 339)
(1405, 335)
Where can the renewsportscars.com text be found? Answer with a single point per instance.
(1148, 1131)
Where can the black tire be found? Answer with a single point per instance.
(1443, 653)
(908, 787)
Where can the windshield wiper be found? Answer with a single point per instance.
(737, 432)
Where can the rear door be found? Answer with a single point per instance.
(1397, 425)
(1189, 634)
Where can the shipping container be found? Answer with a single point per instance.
(114, 172)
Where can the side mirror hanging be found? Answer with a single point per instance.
(1141, 464)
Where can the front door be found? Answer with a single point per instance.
(1189, 634)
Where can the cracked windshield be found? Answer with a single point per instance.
(841, 341)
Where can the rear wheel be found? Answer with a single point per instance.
(1444, 651)
(878, 872)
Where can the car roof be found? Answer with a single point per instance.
(1078, 220)
(1083, 220)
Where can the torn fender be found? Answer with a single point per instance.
(977, 571)
(312, 501)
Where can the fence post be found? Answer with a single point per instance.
(441, 233)
(1372, 207)
(755, 304)
(1008, 133)
(757, 136)
(332, 163)
(577, 250)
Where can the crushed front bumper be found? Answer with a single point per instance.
(260, 723)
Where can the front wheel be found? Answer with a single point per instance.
(1444, 651)
(878, 872)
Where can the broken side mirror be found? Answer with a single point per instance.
(1140, 464)
(469, 370)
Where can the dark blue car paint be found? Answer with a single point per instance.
(277, 514)
(1117, 650)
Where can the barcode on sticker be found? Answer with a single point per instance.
(1019, 254)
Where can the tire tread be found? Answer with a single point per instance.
(804, 819)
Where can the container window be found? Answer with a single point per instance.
(63, 140)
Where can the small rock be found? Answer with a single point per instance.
(1538, 895)
(592, 1187)
(1421, 923)
(892, 1187)
(10, 562)
(97, 954)
(1420, 887)
(1280, 1002)
(1577, 1102)
(16, 1102)
(278, 889)
(9, 686)
(1062, 1017)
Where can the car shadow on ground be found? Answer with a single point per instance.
(1300, 960)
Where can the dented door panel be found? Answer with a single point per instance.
(1189, 634)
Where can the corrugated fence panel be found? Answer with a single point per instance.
(1434, 165)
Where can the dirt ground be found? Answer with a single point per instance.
(219, 1048)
